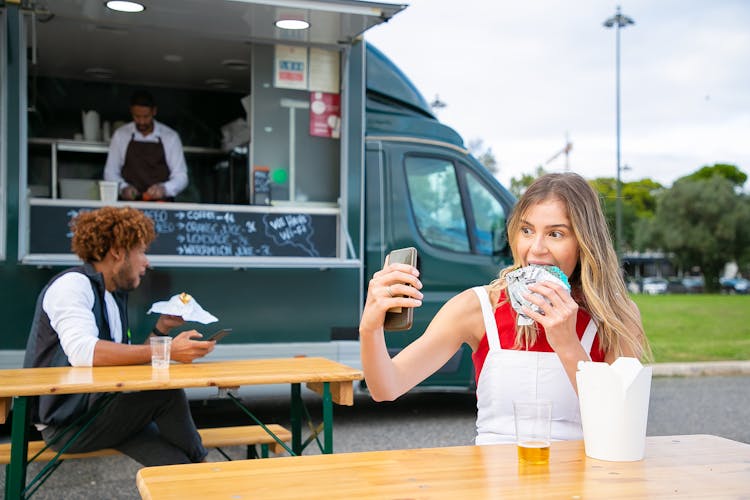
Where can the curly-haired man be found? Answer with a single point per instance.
(81, 320)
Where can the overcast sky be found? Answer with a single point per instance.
(520, 75)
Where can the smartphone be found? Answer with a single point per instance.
(220, 335)
(401, 318)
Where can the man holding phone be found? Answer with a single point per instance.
(219, 335)
(81, 320)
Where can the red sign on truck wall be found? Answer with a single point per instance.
(325, 115)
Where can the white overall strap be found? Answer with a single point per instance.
(490, 327)
(588, 337)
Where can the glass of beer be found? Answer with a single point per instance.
(533, 422)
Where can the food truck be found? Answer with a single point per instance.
(310, 157)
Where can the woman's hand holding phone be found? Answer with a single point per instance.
(400, 318)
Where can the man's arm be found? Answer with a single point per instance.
(184, 349)
(175, 156)
(68, 303)
(116, 157)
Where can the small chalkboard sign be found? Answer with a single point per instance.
(204, 232)
(261, 185)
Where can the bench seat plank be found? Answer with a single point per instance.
(216, 437)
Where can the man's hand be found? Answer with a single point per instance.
(155, 192)
(129, 193)
(166, 322)
(185, 349)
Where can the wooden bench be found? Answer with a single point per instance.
(217, 437)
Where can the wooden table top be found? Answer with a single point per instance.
(69, 380)
(697, 466)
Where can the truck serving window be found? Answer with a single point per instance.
(436, 201)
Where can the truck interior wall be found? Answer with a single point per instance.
(198, 115)
(316, 159)
(56, 105)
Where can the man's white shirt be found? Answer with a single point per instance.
(173, 152)
(68, 302)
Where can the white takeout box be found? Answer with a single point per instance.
(614, 408)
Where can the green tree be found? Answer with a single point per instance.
(730, 172)
(743, 259)
(638, 203)
(485, 155)
(702, 223)
(518, 186)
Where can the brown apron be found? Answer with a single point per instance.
(145, 164)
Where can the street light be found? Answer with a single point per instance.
(618, 21)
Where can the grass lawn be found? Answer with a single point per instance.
(696, 327)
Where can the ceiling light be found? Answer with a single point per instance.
(111, 29)
(235, 64)
(100, 73)
(173, 58)
(292, 24)
(217, 83)
(124, 6)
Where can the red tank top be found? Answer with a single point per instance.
(505, 317)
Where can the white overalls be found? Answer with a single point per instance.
(509, 375)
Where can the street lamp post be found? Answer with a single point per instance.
(618, 21)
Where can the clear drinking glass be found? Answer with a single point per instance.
(533, 424)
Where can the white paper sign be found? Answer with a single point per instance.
(290, 67)
(324, 70)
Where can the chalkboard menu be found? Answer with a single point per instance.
(204, 232)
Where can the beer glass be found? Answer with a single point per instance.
(533, 422)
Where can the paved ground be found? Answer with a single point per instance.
(679, 405)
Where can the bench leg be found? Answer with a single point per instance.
(296, 419)
(223, 454)
(327, 418)
(15, 477)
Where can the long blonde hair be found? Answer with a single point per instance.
(596, 283)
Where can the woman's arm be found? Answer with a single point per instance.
(389, 378)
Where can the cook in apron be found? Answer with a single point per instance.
(509, 375)
(145, 164)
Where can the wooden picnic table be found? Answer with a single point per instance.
(674, 466)
(334, 381)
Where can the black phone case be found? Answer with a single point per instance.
(403, 319)
(220, 334)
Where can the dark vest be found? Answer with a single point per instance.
(145, 164)
(43, 349)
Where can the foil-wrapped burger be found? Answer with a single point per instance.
(518, 285)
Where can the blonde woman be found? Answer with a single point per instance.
(557, 222)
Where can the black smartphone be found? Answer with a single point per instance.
(220, 335)
(401, 318)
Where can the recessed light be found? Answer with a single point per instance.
(217, 83)
(100, 73)
(173, 58)
(124, 6)
(111, 29)
(292, 24)
(236, 64)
